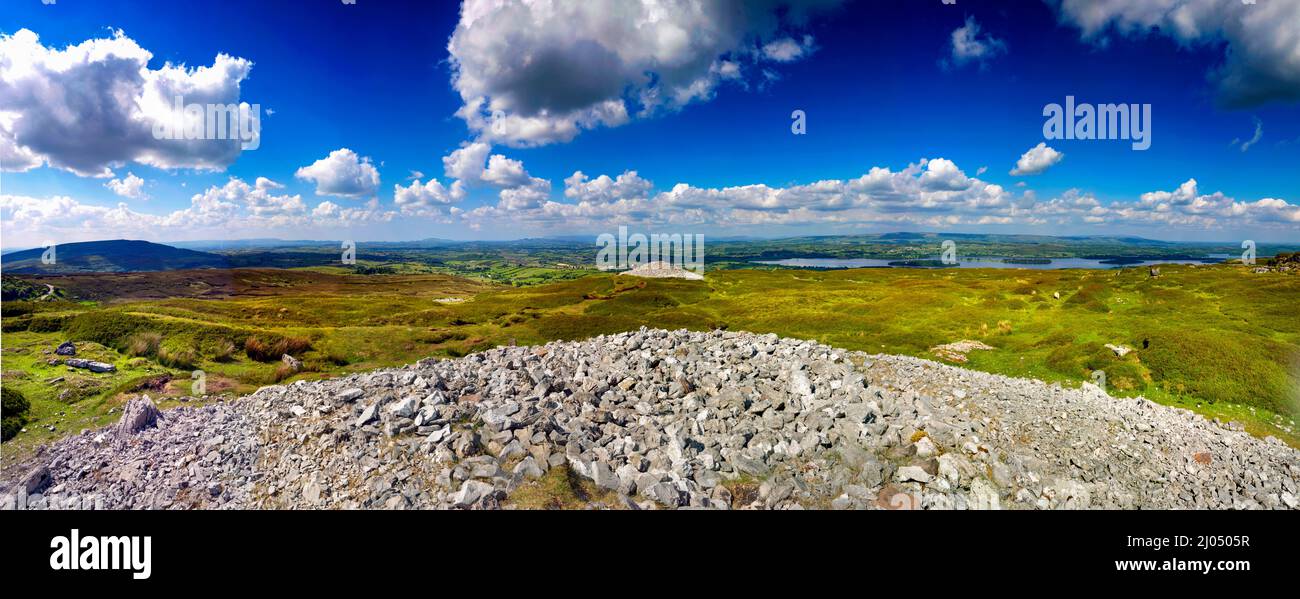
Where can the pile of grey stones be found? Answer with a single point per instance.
(656, 419)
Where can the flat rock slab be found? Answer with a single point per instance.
(90, 365)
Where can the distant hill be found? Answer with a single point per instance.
(119, 255)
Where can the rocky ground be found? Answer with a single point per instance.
(656, 419)
(663, 270)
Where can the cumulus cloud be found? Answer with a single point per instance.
(258, 198)
(533, 72)
(218, 210)
(429, 200)
(505, 172)
(35, 220)
(1036, 160)
(473, 164)
(342, 174)
(928, 193)
(466, 163)
(330, 215)
(604, 190)
(1261, 61)
(130, 187)
(93, 106)
(969, 46)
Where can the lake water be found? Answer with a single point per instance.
(1056, 263)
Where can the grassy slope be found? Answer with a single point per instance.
(1220, 340)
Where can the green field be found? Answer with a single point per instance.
(1220, 340)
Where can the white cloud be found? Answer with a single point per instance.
(13, 157)
(933, 194)
(216, 212)
(532, 195)
(788, 49)
(727, 69)
(923, 192)
(466, 165)
(1036, 160)
(533, 72)
(969, 46)
(430, 200)
(943, 174)
(258, 198)
(505, 172)
(1259, 134)
(1262, 51)
(604, 190)
(92, 107)
(330, 215)
(130, 187)
(929, 193)
(342, 174)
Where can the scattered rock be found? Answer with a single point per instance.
(367, 414)
(350, 395)
(663, 270)
(672, 419)
(404, 408)
(138, 414)
(913, 473)
(470, 493)
(35, 481)
(956, 352)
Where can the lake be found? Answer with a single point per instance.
(1056, 263)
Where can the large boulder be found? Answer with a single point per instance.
(35, 481)
(293, 363)
(66, 349)
(137, 415)
(90, 365)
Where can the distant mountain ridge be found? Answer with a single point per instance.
(118, 255)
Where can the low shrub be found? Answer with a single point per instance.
(336, 357)
(1092, 297)
(256, 349)
(264, 351)
(223, 351)
(15, 325)
(184, 358)
(14, 407)
(144, 344)
(283, 371)
(107, 328)
(47, 323)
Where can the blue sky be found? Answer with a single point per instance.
(883, 85)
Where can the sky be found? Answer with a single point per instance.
(506, 119)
